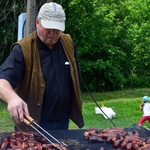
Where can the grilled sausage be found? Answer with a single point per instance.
(135, 146)
(63, 147)
(116, 144)
(129, 146)
(123, 144)
(95, 139)
(4, 144)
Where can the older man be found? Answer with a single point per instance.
(40, 77)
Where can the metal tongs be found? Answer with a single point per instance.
(28, 120)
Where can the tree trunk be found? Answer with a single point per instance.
(31, 15)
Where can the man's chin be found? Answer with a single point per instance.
(51, 42)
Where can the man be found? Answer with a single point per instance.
(40, 76)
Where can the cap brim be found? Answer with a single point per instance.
(53, 25)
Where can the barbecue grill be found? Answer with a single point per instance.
(75, 138)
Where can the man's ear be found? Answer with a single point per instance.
(37, 22)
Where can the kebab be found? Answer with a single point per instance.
(119, 138)
(30, 121)
(25, 140)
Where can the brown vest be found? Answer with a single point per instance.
(32, 87)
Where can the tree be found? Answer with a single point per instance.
(8, 22)
(112, 39)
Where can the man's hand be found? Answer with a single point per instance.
(16, 108)
(16, 105)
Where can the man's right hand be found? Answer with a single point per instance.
(16, 106)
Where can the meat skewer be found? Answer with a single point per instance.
(29, 120)
(32, 121)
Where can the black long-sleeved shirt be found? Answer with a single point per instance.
(56, 72)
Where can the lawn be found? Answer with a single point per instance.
(124, 103)
(6, 123)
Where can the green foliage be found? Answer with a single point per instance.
(8, 20)
(134, 81)
(112, 39)
(101, 54)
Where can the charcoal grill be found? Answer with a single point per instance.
(76, 141)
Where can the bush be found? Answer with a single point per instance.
(138, 82)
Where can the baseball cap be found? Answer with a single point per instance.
(52, 16)
(145, 98)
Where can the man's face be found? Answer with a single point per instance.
(47, 36)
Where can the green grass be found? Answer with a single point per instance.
(6, 123)
(124, 103)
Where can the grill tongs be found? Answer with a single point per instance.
(30, 121)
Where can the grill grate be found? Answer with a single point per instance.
(75, 138)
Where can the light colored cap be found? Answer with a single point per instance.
(145, 98)
(52, 16)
